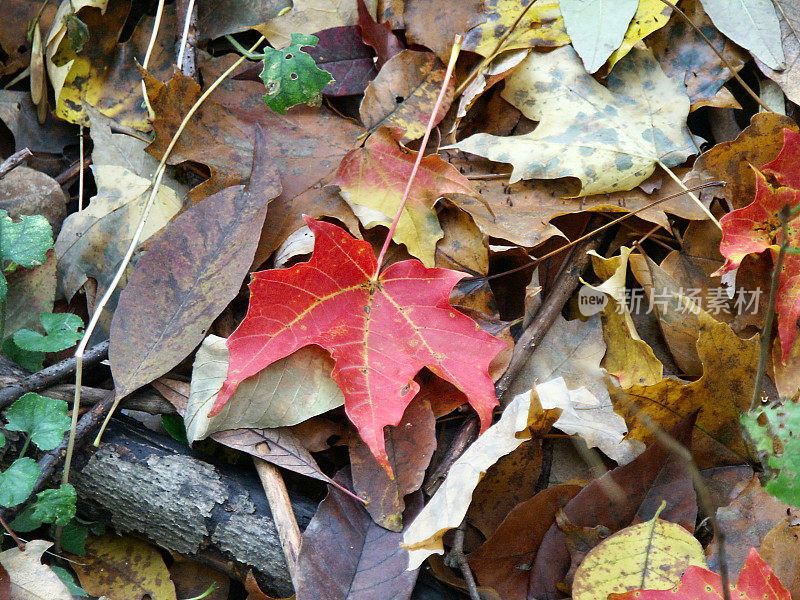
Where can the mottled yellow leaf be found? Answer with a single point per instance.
(650, 16)
(651, 555)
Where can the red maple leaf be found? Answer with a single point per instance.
(756, 582)
(380, 330)
(757, 227)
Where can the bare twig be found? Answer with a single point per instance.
(20, 544)
(766, 332)
(459, 558)
(65, 178)
(13, 161)
(282, 513)
(51, 375)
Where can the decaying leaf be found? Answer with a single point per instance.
(650, 555)
(372, 180)
(124, 567)
(755, 581)
(609, 138)
(30, 579)
(789, 17)
(286, 392)
(404, 93)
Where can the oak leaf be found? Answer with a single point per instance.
(610, 138)
(380, 329)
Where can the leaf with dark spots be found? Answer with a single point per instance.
(614, 501)
(346, 556)
(186, 279)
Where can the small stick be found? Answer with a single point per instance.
(457, 555)
(51, 375)
(282, 513)
(766, 333)
(13, 161)
(65, 178)
(20, 544)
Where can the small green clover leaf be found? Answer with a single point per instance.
(67, 579)
(62, 331)
(291, 76)
(43, 418)
(16, 482)
(56, 505)
(24, 521)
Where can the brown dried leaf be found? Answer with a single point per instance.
(29, 578)
(410, 446)
(404, 93)
(614, 501)
(186, 278)
(503, 562)
(435, 24)
(346, 556)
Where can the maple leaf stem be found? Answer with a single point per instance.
(691, 195)
(151, 44)
(766, 332)
(448, 74)
(155, 185)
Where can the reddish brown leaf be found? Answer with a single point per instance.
(341, 53)
(654, 474)
(757, 227)
(375, 177)
(435, 24)
(504, 560)
(404, 94)
(381, 329)
(378, 35)
(190, 274)
(5, 584)
(756, 582)
(346, 556)
(410, 447)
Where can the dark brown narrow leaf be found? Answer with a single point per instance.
(190, 274)
(410, 446)
(378, 35)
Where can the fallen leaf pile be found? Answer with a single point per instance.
(542, 385)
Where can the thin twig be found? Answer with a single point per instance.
(13, 161)
(81, 168)
(457, 555)
(674, 446)
(537, 260)
(65, 178)
(150, 45)
(20, 544)
(691, 195)
(448, 73)
(51, 375)
(766, 332)
(724, 60)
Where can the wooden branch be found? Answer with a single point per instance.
(13, 161)
(51, 375)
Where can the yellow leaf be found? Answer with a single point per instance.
(721, 394)
(628, 357)
(123, 568)
(542, 25)
(650, 16)
(651, 555)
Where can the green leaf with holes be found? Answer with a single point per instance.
(292, 77)
(62, 331)
(43, 418)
